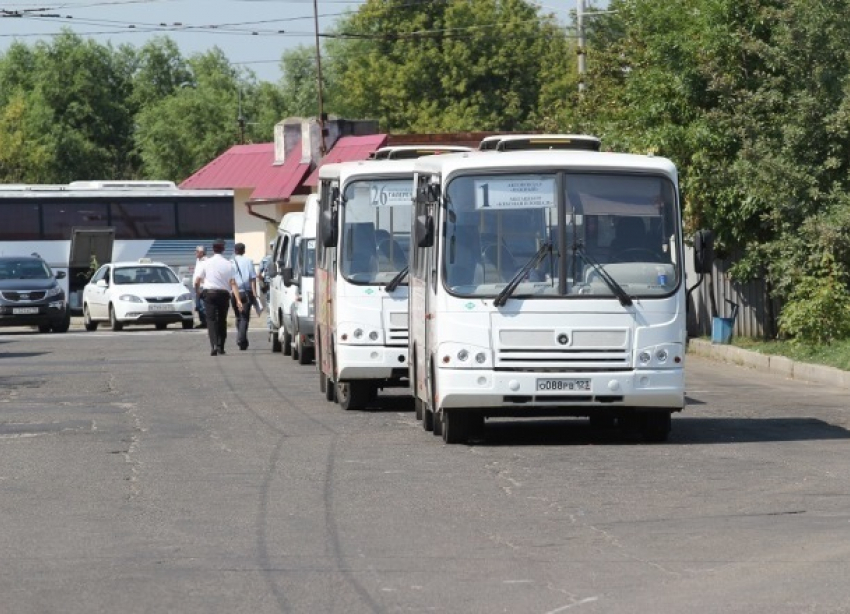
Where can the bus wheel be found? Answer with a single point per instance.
(87, 321)
(323, 383)
(353, 395)
(275, 342)
(457, 426)
(330, 390)
(655, 426)
(417, 406)
(286, 343)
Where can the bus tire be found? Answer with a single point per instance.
(88, 323)
(275, 342)
(305, 355)
(330, 390)
(286, 342)
(113, 320)
(353, 395)
(417, 406)
(457, 426)
(323, 383)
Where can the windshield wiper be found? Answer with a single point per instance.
(617, 289)
(506, 292)
(395, 281)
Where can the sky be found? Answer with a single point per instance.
(251, 33)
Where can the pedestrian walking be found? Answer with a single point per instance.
(200, 257)
(215, 283)
(246, 281)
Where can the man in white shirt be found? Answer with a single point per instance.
(215, 283)
(246, 280)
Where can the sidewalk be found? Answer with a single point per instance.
(778, 365)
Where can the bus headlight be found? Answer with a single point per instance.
(358, 333)
(464, 356)
(666, 356)
(361, 334)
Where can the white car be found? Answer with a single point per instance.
(141, 292)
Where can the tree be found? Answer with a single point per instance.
(447, 65)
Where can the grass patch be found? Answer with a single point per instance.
(833, 355)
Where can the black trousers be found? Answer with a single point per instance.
(243, 316)
(216, 303)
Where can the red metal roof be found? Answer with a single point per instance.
(252, 166)
(348, 149)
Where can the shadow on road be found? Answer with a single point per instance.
(686, 431)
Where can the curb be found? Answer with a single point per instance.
(776, 365)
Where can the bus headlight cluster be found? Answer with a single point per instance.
(668, 355)
(464, 356)
(360, 334)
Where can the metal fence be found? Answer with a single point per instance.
(755, 315)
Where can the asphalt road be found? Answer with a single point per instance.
(139, 474)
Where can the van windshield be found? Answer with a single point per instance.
(375, 229)
(599, 225)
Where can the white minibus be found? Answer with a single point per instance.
(361, 286)
(547, 283)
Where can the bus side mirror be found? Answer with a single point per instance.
(327, 228)
(424, 233)
(286, 272)
(703, 251)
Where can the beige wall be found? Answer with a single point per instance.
(255, 232)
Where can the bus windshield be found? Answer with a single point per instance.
(598, 235)
(375, 229)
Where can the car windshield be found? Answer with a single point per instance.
(308, 257)
(24, 269)
(615, 235)
(376, 229)
(143, 275)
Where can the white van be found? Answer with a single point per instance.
(301, 277)
(282, 296)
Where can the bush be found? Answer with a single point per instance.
(818, 310)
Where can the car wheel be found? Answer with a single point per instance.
(44, 328)
(113, 320)
(187, 324)
(63, 325)
(353, 395)
(87, 321)
(161, 325)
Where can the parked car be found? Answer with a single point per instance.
(282, 296)
(31, 296)
(141, 292)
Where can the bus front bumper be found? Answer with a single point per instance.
(371, 362)
(544, 393)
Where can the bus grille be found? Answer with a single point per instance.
(563, 350)
(397, 336)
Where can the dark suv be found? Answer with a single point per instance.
(31, 296)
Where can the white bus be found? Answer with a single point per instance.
(80, 226)
(547, 283)
(360, 283)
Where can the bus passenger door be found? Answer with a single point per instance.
(90, 249)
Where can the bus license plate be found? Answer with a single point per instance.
(24, 310)
(161, 307)
(557, 384)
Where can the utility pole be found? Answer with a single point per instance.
(580, 51)
(240, 118)
(322, 150)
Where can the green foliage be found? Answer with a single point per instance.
(448, 65)
(818, 310)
